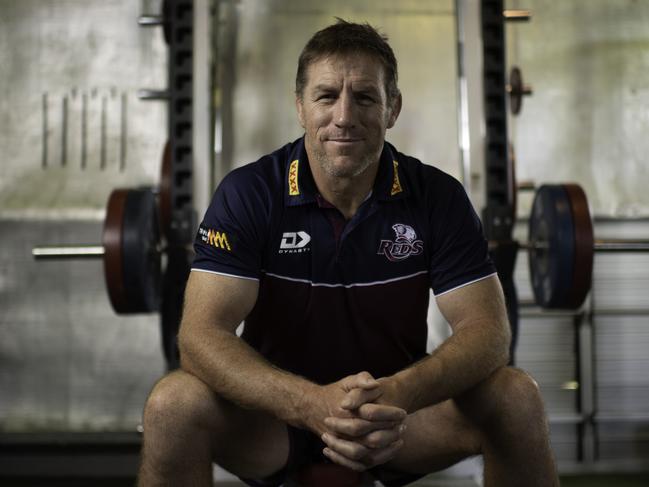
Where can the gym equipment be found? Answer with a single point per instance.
(517, 15)
(136, 221)
(132, 258)
(131, 251)
(561, 246)
(517, 89)
(160, 20)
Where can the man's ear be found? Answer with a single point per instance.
(395, 110)
(300, 110)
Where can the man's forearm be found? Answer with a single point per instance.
(468, 356)
(240, 374)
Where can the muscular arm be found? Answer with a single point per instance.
(214, 306)
(210, 350)
(478, 346)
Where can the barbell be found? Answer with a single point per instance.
(131, 247)
(560, 247)
(131, 250)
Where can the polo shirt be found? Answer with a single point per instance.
(333, 303)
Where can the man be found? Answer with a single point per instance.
(327, 249)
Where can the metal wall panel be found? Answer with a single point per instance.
(67, 362)
(71, 126)
(271, 36)
(619, 317)
(587, 119)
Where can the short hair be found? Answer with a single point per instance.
(348, 38)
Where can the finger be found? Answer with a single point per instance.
(375, 457)
(356, 427)
(379, 457)
(349, 449)
(382, 438)
(364, 380)
(345, 462)
(356, 397)
(381, 412)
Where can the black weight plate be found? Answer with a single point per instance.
(515, 90)
(164, 196)
(552, 256)
(140, 252)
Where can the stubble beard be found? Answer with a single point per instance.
(328, 165)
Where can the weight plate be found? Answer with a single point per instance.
(515, 90)
(584, 245)
(132, 258)
(552, 256)
(165, 191)
(511, 183)
(112, 241)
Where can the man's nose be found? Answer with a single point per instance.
(345, 111)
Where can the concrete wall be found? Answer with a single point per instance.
(67, 362)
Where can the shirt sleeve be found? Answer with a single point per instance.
(461, 253)
(230, 238)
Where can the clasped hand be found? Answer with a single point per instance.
(360, 432)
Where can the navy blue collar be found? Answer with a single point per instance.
(301, 188)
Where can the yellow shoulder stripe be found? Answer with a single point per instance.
(293, 188)
(396, 185)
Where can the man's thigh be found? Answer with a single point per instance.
(255, 445)
(245, 442)
(436, 437)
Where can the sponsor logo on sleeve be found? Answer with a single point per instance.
(403, 246)
(214, 238)
(293, 188)
(294, 242)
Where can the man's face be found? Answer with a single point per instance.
(345, 112)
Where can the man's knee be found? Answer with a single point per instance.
(178, 398)
(508, 396)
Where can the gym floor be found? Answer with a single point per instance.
(112, 460)
(607, 480)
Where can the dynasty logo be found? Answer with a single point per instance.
(403, 246)
(294, 242)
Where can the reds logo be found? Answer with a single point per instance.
(403, 246)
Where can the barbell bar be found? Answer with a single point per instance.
(606, 245)
(58, 252)
(560, 248)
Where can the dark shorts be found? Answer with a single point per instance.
(305, 448)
